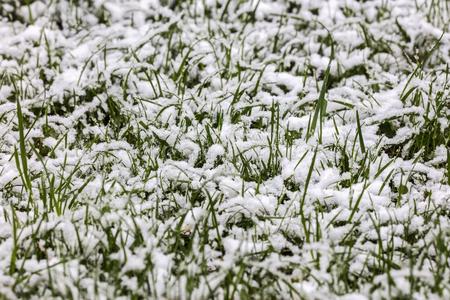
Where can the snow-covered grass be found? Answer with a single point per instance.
(225, 149)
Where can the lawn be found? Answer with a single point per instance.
(225, 149)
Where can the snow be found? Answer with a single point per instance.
(150, 177)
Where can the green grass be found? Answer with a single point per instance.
(224, 149)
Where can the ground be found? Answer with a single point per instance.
(224, 149)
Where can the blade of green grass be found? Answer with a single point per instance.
(360, 136)
(22, 149)
(302, 202)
